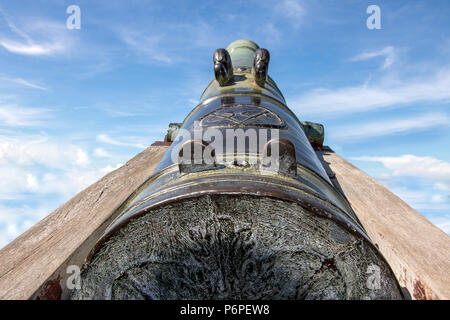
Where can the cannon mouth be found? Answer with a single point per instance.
(242, 43)
(242, 53)
(169, 187)
(228, 245)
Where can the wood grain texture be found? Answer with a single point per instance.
(34, 264)
(417, 251)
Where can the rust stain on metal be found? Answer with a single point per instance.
(161, 143)
(51, 290)
(421, 291)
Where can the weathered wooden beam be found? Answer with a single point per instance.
(417, 251)
(34, 265)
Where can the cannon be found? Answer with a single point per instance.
(240, 207)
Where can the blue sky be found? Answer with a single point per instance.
(75, 104)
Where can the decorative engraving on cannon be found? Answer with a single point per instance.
(242, 116)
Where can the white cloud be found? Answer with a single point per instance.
(66, 183)
(363, 98)
(15, 220)
(389, 53)
(23, 82)
(101, 153)
(146, 45)
(20, 182)
(422, 199)
(272, 32)
(439, 198)
(18, 116)
(107, 139)
(27, 150)
(36, 37)
(429, 168)
(292, 10)
(422, 182)
(81, 158)
(442, 187)
(415, 198)
(31, 49)
(34, 163)
(388, 127)
(427, 201)
(109, 168)
(32, 183)
(163, 45)
(35, 168)
(410, 165)
(15, 179)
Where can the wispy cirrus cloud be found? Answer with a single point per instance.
(163, 43)
(370, 97)
(18, 116)
(36, 37)
(389, 54)
(23, 82)
(101, 153)
(389, 127)
(293, 10)
(107, 139)
(146, 45)
(31, 48)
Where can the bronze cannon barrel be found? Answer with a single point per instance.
(239, 207)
